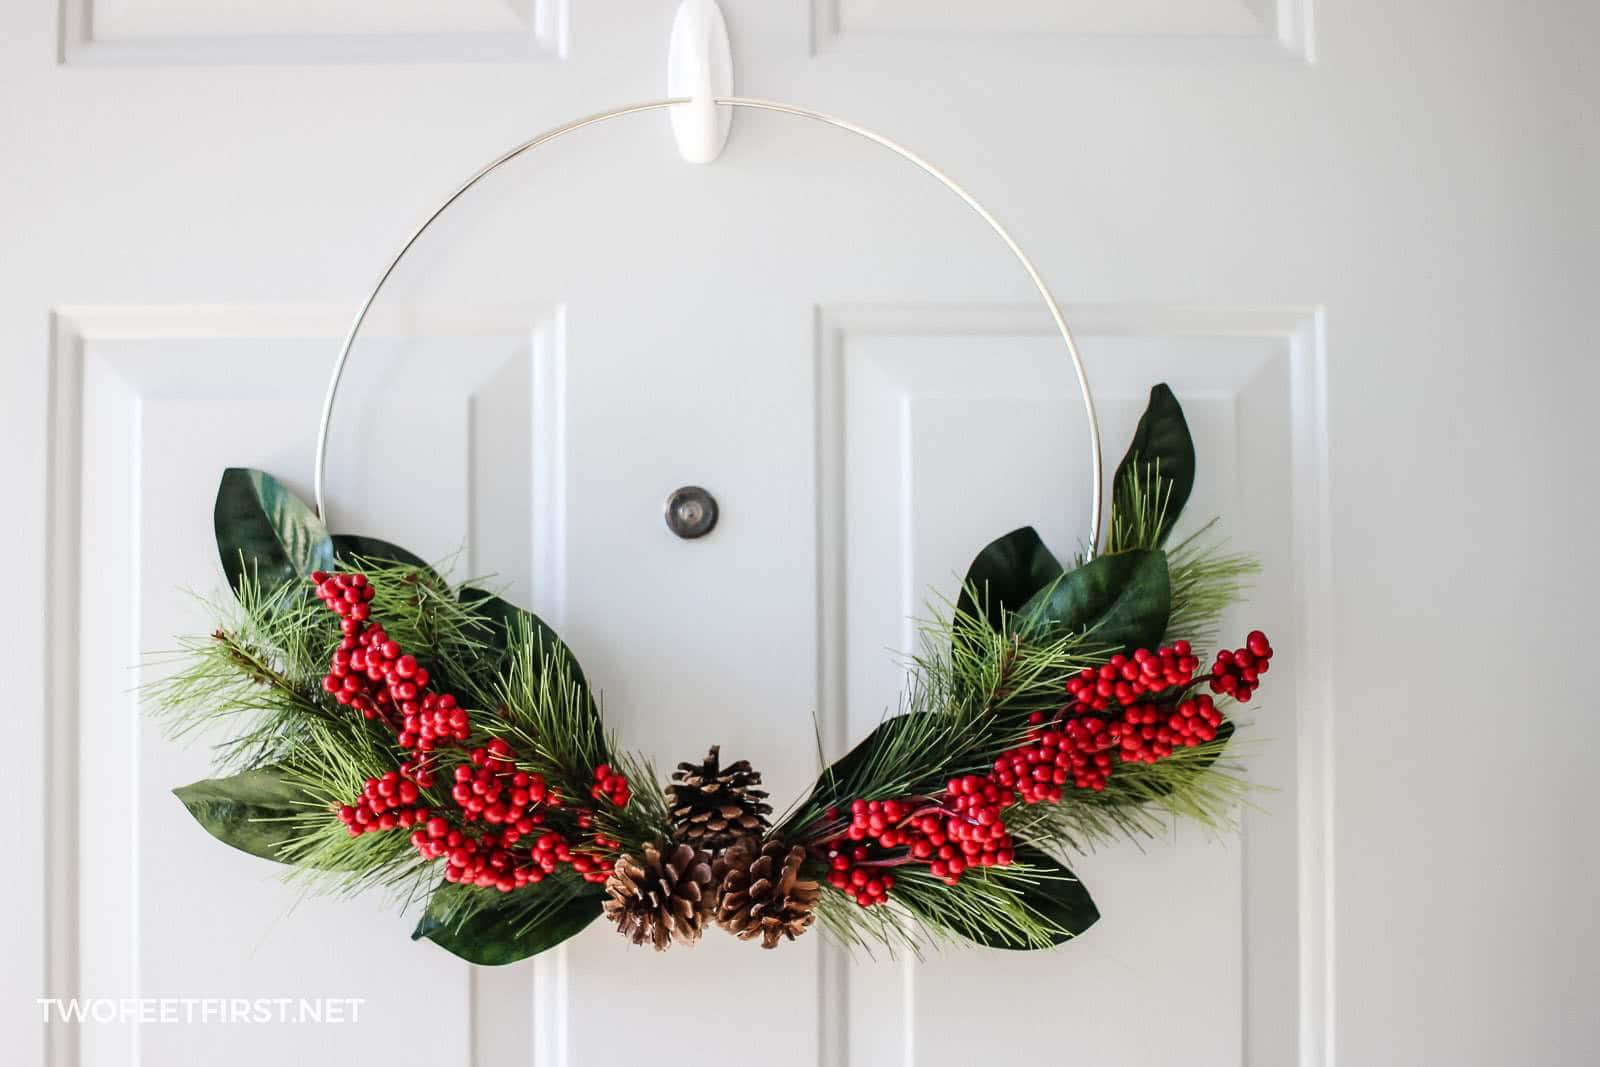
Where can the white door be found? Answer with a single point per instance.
(1358, 246)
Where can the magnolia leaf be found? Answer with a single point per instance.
(352, 547)
(1008, 571)
(1120, 601)
(252, 811)
(1059, 906)
(1161, 445)
(500, 933)
(1058, 897)
(266, 532)
(501, 617)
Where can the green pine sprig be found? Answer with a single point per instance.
(968, 698)
(1140, 500)
(969, 693)
(258, 673)
(992, 906)
(1206, 580)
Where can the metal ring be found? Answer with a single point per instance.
(759, 105)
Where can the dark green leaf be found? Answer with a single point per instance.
(250, 811)
(351, 547)
(1008, 571)
(500, 932)
(1061, 908)
(1214, 747)
(266, 531)
(1162, 438)
(1121, 601)
(501, 617)
(1059, 898)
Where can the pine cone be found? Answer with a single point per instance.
(665, 897)
(762, 893)
(714, 806)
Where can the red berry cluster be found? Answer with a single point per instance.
(952, 833)
(492, 789)
(1058, 752)
(609, 785)
(858, 875)
(976, 825)
(384, 804)
(1235, 673)
(1127, 708)
(1125, 679)
(371, 673)
(1151, 732)
(486, 861)
(437, 720)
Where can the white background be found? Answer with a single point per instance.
(1357, 236)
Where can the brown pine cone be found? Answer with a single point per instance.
(762, 893)
(662, 898)
(714, 806)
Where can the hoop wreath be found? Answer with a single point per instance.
(393, 729)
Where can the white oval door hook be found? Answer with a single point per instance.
(700, 67)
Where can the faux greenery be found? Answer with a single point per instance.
(1022, 625)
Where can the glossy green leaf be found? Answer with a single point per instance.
(266, 531)
(250, 811)
(1058, 897)
(1120, 601)
(1060, 906)
(501, 616)
(351, 547)
(1224, 734)
(1161, 442)
(501, 933)
(1009, 571)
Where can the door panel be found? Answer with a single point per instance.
(912, 498)
(168, 32)
(904, 25)
(153, 397)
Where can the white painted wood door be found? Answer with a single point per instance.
(1358, 246)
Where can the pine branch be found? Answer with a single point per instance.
(1205, 581)
(419, 610)
(261, 666)
(1139, 803)
(646, 818)
(969, 695)
(551, 722)
(1139, 504)
(986, 907)
(862, 931)
(453, 905)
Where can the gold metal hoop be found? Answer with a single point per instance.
(1097, 488)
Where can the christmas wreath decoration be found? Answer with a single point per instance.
(395, 730)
